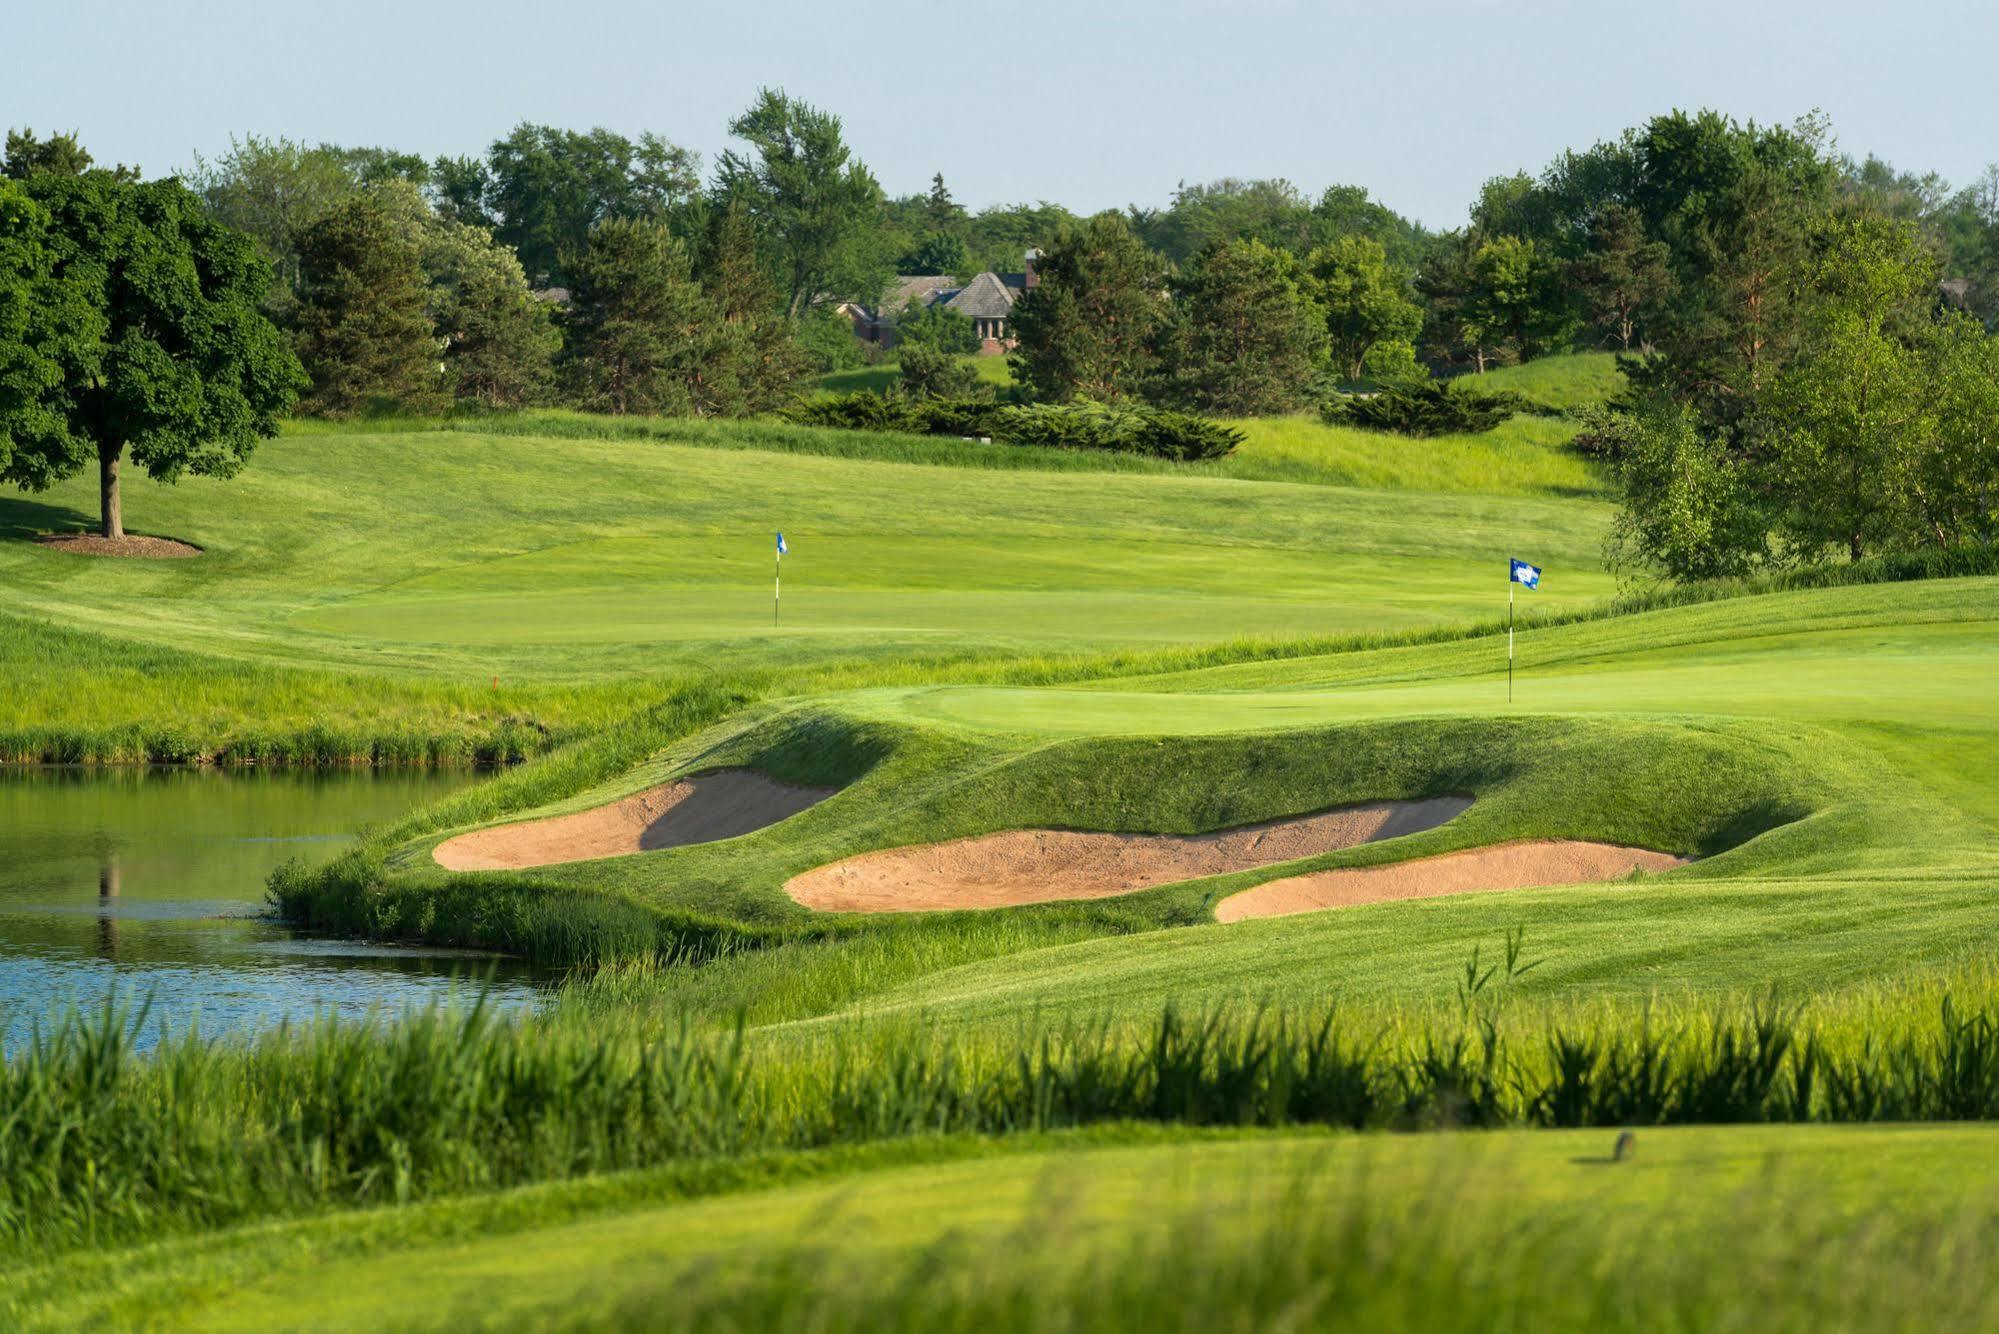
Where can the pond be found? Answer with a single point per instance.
(148, 884)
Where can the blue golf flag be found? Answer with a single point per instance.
(782, 549)
(1523, 573)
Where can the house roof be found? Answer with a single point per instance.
(983, 298)
(917, 290)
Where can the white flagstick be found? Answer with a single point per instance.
(1510, 581)
(776, 585)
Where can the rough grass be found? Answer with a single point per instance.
(1727, 1228)
(102, 1143)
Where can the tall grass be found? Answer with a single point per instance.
(99, 1141)
(1351, 1252)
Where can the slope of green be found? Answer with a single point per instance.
(475, 592)
(1744, 1227)
(1561, 383)
(1840, 737)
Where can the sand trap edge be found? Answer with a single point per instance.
(695, 808)
(1015, 867)
(1528, 864)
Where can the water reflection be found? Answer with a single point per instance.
(149, 883)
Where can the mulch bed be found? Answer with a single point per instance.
(142, 548)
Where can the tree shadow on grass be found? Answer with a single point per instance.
(22, 519)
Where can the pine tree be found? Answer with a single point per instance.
(641, 329)
(1621, 272)
(1249, 337)
(1089, 329)
(757, 360)
(500, 341)
(364, 327)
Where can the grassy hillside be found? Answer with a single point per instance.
(472, 591)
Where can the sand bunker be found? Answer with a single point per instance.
(1505, 866)
(1041, 865)
(699, 809)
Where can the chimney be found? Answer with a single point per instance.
(1031, 280)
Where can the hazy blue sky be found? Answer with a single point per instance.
(1095, 103)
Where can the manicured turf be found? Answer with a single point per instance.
(452, 585)
(443, 553)
(1505, 1216)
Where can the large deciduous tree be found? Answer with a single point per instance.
(816, 207)
(1249, 338)
(544, 189)
(1088, 329)
(1365, 300)
(130, 326)
(274, 190)
(1843, 416)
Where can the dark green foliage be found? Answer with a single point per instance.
(816, 206)
(129, 321)
(274, 189)
(365, 332)
(829, 342)
(1364, 299)
(936, 326)
(1249, 338)
(938, 252)
(1089, 329)
(1426, 408)
(757, 359)
(60, 154)
(1621, 274)
(1000, 237)
(1124, 430)
(928, 371)
(545, 188)
(1202, 217)
(640, 327)
(499, 339)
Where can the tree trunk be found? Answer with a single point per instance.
(107, 490)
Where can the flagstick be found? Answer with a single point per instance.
(776, 585)
(1509, 639)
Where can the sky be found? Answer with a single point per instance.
(1094, 103)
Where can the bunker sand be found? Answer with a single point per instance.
(702, 808)
(1504, 866)
(1043, 865)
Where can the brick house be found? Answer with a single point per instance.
(987, 301)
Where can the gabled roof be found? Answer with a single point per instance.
(983, 298)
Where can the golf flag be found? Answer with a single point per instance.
(1517, 572)
(777, 576)
(782, 549)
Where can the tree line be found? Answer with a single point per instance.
(613, 274)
